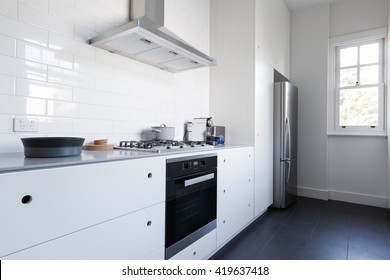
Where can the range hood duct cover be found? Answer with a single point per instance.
(145, 39)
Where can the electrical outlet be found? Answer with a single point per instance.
(25, 125)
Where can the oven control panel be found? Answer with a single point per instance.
(187, 165)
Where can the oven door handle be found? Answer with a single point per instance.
(199, 179)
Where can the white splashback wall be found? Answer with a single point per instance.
(49, 72)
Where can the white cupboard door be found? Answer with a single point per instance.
(132, 236)
(44, 204)
(235, 207)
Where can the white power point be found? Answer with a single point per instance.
(25, 125)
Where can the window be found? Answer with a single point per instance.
(358, 101)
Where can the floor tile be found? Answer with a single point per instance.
(324, 247)
(314, 229)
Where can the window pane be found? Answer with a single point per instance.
(369, 75)
(348, 77)
(348, 57)
(359, 107)
(369, 53)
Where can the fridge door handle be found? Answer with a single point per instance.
(287, 143)
(287, 177)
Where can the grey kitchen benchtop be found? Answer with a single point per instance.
(12, 162)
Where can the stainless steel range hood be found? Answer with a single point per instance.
(147, 40)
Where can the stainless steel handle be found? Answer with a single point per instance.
(197, 180)
(287, 143)
(288, 172)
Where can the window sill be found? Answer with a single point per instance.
(358, 133)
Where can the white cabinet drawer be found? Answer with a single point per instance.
(231, 222)
(235, 205)
(133, 236)
(231, 193)
(43, 204)
(234, 162)
(198, 250)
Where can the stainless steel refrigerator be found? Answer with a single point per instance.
(285, 143)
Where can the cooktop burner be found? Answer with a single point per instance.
(160, 146)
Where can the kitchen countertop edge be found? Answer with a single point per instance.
(14, 162)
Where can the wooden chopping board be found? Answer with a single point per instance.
(94, 147)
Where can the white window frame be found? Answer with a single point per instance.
(333, 93)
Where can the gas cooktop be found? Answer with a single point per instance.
(162, 146)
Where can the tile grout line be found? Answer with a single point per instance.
(311, 235)
(349, 233)
(276, 231)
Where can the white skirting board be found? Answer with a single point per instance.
(371, 200)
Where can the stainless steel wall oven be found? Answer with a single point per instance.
(191, 200)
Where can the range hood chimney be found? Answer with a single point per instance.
(146, 39)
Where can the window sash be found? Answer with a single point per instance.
(360, 128)
(358, 66)
(333, 87)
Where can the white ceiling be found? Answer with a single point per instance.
(295, 5)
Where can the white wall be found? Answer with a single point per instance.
(49, 72)
(355, 168)
(309, 49)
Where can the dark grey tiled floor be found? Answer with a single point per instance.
(314, 230)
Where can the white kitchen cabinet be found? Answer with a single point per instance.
(44, 204)
(235, 193)
(132, 236)
(200, 249)
(241, 87)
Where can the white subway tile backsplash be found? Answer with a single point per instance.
(52, 125)
(68, 2)
(39, 4)
(22, 68)
(111, 113)
(7, 45)
(44, 55)
(120, 20)
(95, 97)
(71, 14)
(92, 126)
(120, 7)
(114, 86)
(6, 124)
(7, 85)
(103, 26)
(73, 47)
(24, 31)
(49, 71)
(42, 19)
(91, 67)
(9, 8)
(83, 34)
(70, 78)
(105, 57)
(69, 109)
(11, 104)
(97, 11)
(31, 88)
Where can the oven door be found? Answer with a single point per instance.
(191, 210)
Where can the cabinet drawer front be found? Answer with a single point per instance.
(234, 162)
(200, 249)
(231, 222)
(233, 192)
(40, 205)
(133, 236)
